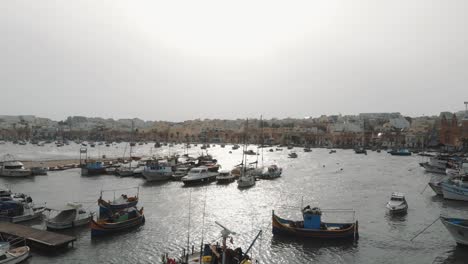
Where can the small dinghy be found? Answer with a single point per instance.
(397, 204)
(69, 216)
(15, 255)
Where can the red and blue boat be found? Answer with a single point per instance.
(312, 227)
(120, 221)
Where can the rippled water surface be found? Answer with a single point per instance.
(342, 180)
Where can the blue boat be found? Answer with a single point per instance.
(312, 227)
(93, 168)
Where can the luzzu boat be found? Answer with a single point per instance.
(123, 202)
(312, 227)
(120, 221)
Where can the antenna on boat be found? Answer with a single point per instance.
(225, 233)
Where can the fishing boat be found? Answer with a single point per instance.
(397, 204)
(124, 201)
(225, 176)
(69, 216)
(119, 221)
(199, 175)
(14, 255)
(215, 253)
(292, 155)
(332, 151)
(457, 227)
(93, 167)
(307, 149)
(455, 188)
(10, 167)
(312, 227)
(159, 170)
(400, 152)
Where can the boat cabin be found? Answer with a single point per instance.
(397, 197)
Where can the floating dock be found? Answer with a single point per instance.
(36, 238)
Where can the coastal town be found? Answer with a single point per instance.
(447, 131)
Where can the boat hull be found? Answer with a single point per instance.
(457, 231)
(66, 225)
(436, 188)
(282, 227)
(22, 218)
(453, 192)
(91, 172)
(156, 176)
(15, 173)
(196, 181)
(98, 229)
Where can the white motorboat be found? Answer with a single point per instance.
(15, 255)
(225, 176)
(457, 227)
(157, 171)
(13, 168)
(69, 216)
(455, 189)
(397, 203)
(199, 175)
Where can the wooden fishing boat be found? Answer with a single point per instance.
(107, 208)
(120, 221)
(313, 228)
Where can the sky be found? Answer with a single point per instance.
(181, 60)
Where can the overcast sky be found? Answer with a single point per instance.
(179, 60)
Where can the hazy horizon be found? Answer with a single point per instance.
(183, 60)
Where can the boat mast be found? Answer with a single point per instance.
(188, 227)
(263, 139)
(244, 156)
(131, 141)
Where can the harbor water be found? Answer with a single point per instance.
(343, 180)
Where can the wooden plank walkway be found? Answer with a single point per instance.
(41, 238)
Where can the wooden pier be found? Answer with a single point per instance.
(36, 238)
